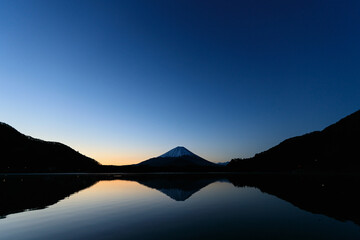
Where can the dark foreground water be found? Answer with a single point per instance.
(178, 207)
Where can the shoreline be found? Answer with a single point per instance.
(334, 174)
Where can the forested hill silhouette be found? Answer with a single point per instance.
(21, 153)
(336, 148)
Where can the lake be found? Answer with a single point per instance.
(182, 206)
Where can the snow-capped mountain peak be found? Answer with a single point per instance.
(178, 157)
(177, 152)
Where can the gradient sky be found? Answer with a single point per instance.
(123, 81)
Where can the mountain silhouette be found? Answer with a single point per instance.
(336, 148)
(21, 153)
(177, 157)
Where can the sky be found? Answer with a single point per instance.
(124, 81)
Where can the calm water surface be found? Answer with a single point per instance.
(33, 208)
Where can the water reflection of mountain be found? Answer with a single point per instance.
(333, 196)
(31, 192)
(19, 193)
(177, 186)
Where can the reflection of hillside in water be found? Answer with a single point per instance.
(30, 192)
(19, 193)
(335, 196)
(177, 186)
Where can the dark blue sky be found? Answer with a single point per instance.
(122, 81)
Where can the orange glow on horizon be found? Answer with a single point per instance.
(107, 159)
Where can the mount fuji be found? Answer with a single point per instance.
(177, 157)
(178, 152)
